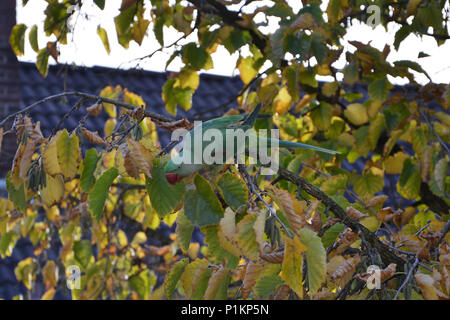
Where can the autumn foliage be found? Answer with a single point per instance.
(309, 232)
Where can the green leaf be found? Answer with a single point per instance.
(234, 38)
(215, 249)
(82, 252)
(184, 231)
(17, 196)
(87, 178)
(330, 236)
(265, 286)
(158, 30)
(143, 283)
(164, 197)
(379, 89)
(194, 56)
(401, 35)
(98, 195)
(408, 185)
(104, 37)
(173, 276)
(33, 38)
(297, 45)
(321, 116)
(100, 3)
(412, 65)
(333, 10)
(201, 206)
(17, 39)
(123, 25)
(316, 259)
(395, 114)
(233, 190)
(368, 184)
(318, 47)
(42, 61)
(5, 241)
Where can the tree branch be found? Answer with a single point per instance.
(87, 96)
(371, 238)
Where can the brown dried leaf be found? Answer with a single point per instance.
(95, 109)
(275, 257)
(252, 273)
(345, 240)
(344, 272)
(424, 252)
(25, 161)
(355, 214)
(377, 201)
(283, 292)
(291, 207)
(137, 158)
(214, 283)
(171, 126)
(92, 137)
(385, 214)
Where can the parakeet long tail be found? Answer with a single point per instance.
(290, 144)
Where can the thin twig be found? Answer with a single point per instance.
(87, 96)
(411, 271)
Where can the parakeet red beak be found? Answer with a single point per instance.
(173, 178)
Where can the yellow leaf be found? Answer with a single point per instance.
(50, 157)
(283, 101)
(110, 124)
(49, 294)
(189, 79)
(68, 154)
(111, 93)
(258, 227)
(139, 238)
(356, 113)
(227, 232)
(394, 164)
(246, 69)
(292, 267)
(53, 191)
(371, 223)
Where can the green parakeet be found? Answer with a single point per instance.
(214, 136)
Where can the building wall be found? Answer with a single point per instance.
(9, 81)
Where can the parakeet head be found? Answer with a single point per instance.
(175, 170)
(171, 171)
